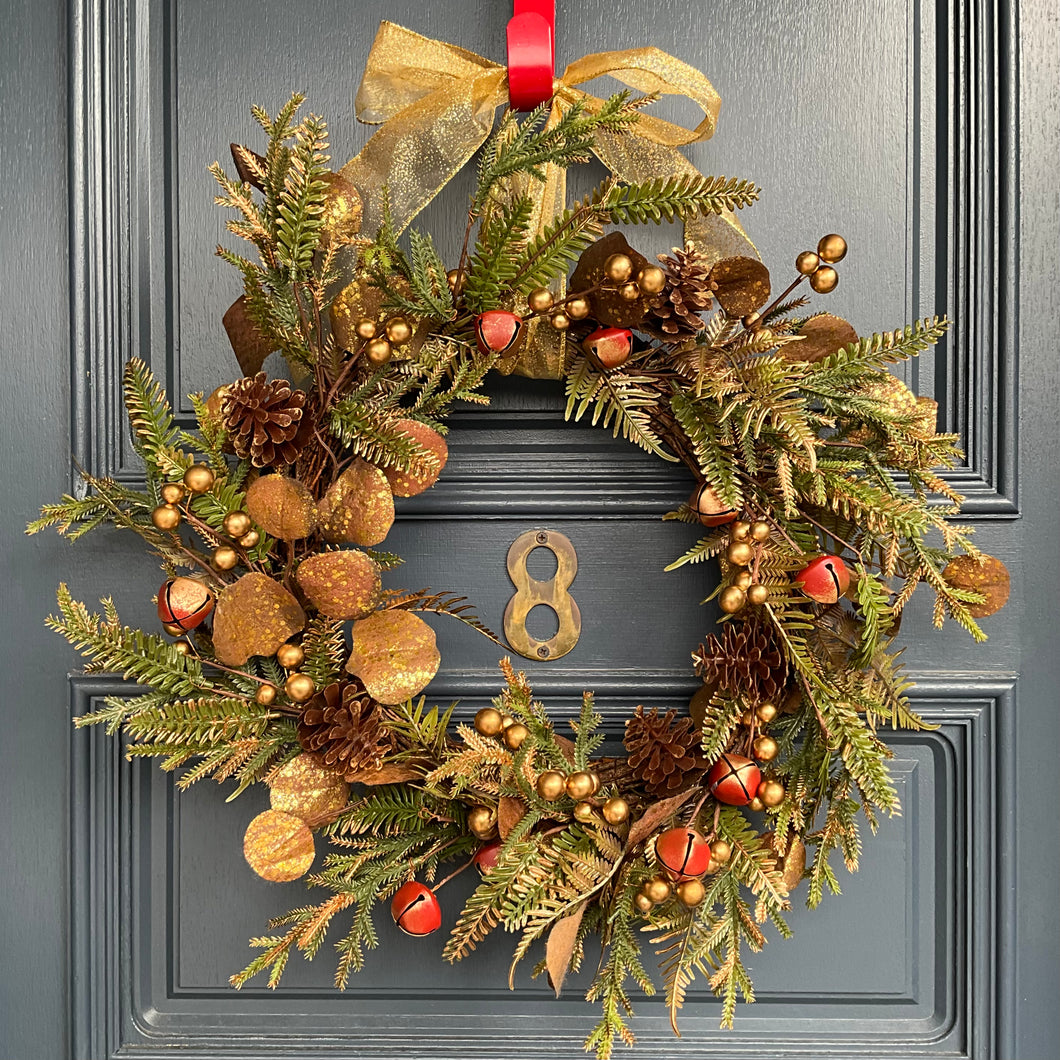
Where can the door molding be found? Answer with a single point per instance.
(122, 66)
(127, 996)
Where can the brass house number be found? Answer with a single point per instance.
(552, 593)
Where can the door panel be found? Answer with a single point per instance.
(896, 122)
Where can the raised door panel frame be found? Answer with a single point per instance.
(127, 1000)
(965, 113)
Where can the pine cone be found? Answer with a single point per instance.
(265, 420)
(663, 753)
(744, 661)
(344, 726)
(675, 309)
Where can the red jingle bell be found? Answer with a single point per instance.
(734, 780)
(825, 579)
(486, 856)
(683, 852)
(184, 602)
(609, 347)
(709, 508)
(415, 909)
(497, 330)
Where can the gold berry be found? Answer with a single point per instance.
(584, 811)
(770, 793)
(457, 279)
(515, 734)
(481, 821)
(577, 308)
(766, 712)
(488, 721)
(742, 580)
(560, 321)
(198, 478)
(740, 530)
(237, 524)
(760, 530)
(166, 517)
(173, 629)
(643, 903)
(616, 810)
(765, 748)
(183, 647)
(757, 594)
(540, 299)
(751, 320)
(250, 539)
(580, 785)
(618, 268)
(720, 851)
(290, 655)
(299, 687)
(366, 329)
(378, 352)
(266, 694)
(832, 248)
(740, 553)
(398, 330)
(691, 893)
(824, 280)
(629, 291)
(596, 781)
(757, 804)
(658, 889)
(225, 558)
(172, 492)
(806, 262)
(747, 718)
(732, 599)
(651, 279)
(551, 785)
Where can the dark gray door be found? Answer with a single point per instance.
(925, 132)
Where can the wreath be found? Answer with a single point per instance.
(286, 662)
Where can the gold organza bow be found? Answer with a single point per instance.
(436, 104)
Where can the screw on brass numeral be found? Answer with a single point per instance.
(552, 593)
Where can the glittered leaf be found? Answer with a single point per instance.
(254, 616)
(991, 578)
(821, 336)
(341, 585)
(394, 654)
(743, 285)
(303, 788)
(358, 506)
(388, 773)
(278, 846)
(281, 506)
(409, 483)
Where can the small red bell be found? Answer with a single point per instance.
(609, 347)
(486, 856)
(497, 330)
(683, 852)
(184, 602)
(825, 579)
(734, 780)
(415, 909)
(709, 508)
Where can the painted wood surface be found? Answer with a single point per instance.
(927, 133)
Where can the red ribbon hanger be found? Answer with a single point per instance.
(531, 53)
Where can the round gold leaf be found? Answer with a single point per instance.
(821, 336)
(278, 846)
(990, 578)
(743, 285)
(358, 506)
(254, 616)
(303, 788)
(281, 506)
(341, 585)
(412, 483)
(394, 654)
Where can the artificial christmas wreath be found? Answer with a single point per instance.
(285, 660)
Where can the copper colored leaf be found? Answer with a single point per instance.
(821, 336)
(341, 585)
(655, 815)
(412, 483)
(394, 654)
(560, 947)
(249, 343)
(566, 746)
(743, 285)
(510, 811)
(990, 578)
(281, 506)
(254, 616)
(388, 773)
(358, 506)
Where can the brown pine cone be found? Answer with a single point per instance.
(675, 310)
(744, 662)
(265, 420)
(663, 752)
(344, 726)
